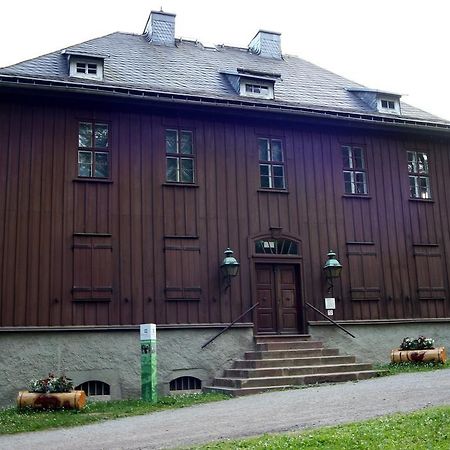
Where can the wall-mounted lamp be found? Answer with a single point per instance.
(332, 269)
(229, 267)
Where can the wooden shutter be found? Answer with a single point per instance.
(182, 269)
(429, 270)
(364, 271)
(92, 268)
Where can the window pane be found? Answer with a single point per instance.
(101, 165)
(172, 169)
(187, 170)
(84, 170)
(85, 157)
(422, 163)
(278, 177)
(412, 187)
(171, 141)
(265, 181)
(412, 162)
(346, 157)
(101, 135)
(358, 158)
(263, 145)
(348, 182)
(186, 142)
(424, 187)
(277, 153)
(85, 134)
(264, 169)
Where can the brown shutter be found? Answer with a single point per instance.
(430, 275)
(92, 268)
(182, 269)
(364, 272)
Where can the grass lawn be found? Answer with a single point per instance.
(425, 429)
(13, 420)
(405, 367)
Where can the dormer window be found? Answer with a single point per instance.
(250, 89)
(86, 68)
(252, 83)
(85, 65)
(89, 68)
(382, 102)
(389, 105)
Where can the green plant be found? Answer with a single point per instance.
(51, 384)
(421, 343)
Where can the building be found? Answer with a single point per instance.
(131, 162)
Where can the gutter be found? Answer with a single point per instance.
(171, 97)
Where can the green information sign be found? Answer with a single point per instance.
(148, 363)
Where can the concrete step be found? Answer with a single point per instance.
(295, 380)
(292, 371)
(243, 391)
(277, 354)
(288, 345)
(261, 339)
(292, 362)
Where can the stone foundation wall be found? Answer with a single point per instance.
(374, 342)
(114, 357)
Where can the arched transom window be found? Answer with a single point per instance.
(276, 247)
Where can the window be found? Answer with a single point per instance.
(271, 164)
(276, 247)
(93, 152)
(355, 179)
(180, 159)
(388, 104)
(419, 179)
(86, 67)
(262, 89)
(94, 387)
(256, 89)
(186, 384)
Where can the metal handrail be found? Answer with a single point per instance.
(230, 325)
(331, 320)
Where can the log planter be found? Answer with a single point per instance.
(54, 400)
(437, 354)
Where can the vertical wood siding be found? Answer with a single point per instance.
(395, 251)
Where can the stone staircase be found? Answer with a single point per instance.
(287, 361)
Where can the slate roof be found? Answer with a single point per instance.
(190, 68)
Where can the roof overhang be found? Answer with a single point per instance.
(259, 105)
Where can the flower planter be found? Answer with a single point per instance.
(66, 400)
(437, 354)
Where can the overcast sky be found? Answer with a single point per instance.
(399, 46)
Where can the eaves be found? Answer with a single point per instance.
(141, 94)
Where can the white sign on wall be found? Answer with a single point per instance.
(330, 303)
(148, 332)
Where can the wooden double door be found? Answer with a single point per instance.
(278, 294)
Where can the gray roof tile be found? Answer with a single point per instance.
(190, 68)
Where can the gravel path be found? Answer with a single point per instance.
(248, 416)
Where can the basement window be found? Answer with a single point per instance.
(94, 387)
(185, 385)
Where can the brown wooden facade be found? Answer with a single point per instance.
(152, 249)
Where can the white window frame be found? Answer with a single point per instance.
(392, 105)
(419, 179)
(353, 171)
(252, 88)
(76, 61)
